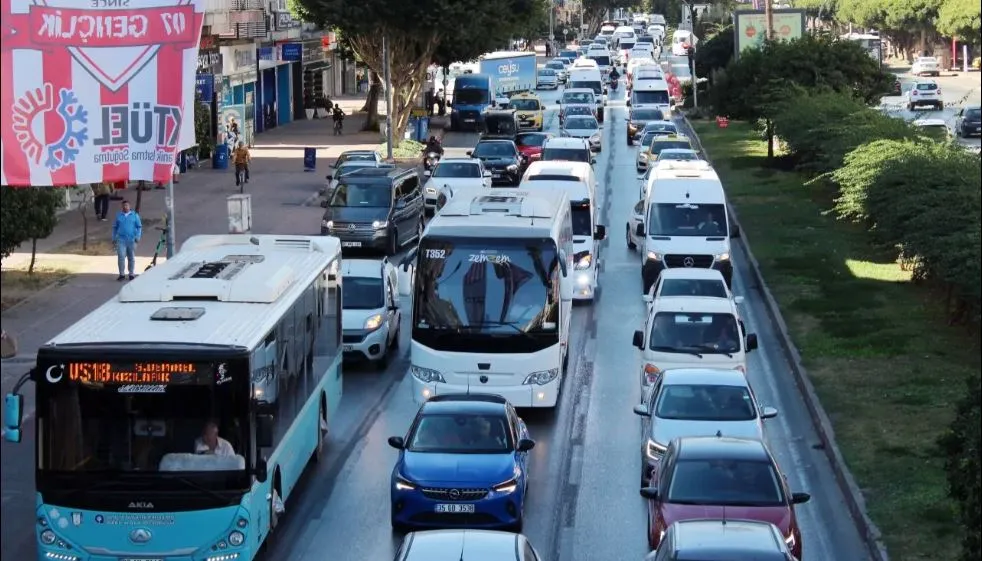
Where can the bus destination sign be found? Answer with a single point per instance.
(140, 373)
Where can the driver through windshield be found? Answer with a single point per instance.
(681, 332)
(671, 219)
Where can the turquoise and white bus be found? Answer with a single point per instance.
(240, 333)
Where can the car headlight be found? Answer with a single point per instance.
(48, 537)
(236, 538)
(513, 167)
(426, 375)
(373, 322)
(643, 156)
(379, 224)
(653, 450)
(403, 484)
(725, 256)
(653, 256)
(595, 138)
(541, 377)
(506, 486)
(584, 262)
(329, 224)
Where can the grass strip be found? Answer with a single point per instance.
(886, 366)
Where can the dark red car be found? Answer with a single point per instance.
(721, 478)
(530, 144)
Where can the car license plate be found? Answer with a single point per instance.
(978, 129)
(468, 120)
(349, 348)
(495, 175)
(350, 244)
(455, 508)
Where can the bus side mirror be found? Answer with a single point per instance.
(262, 470)
(264, 430)
(13, 416)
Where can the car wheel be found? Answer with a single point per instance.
(630, 243)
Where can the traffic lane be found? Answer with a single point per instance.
(608, 510)
(457, 144)
(353, 506)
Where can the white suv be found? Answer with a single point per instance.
(924, 92)
(926, 66)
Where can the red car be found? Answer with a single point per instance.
(709, 478)
(530, 144)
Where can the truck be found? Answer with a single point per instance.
(499, 75)
(511, 72)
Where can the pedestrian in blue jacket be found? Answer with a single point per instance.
(127, 231)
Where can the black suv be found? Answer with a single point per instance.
(502, 159)
(376, 208)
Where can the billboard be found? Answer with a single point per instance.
(750, 27)
(96, 91)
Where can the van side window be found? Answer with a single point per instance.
(409, 187)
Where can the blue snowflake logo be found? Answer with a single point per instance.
(75, 119)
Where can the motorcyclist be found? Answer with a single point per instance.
(433, 146)
(614, 75)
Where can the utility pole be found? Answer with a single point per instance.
(169, 202)
(769, 15)
(552, 16)
(388, 98)
(582, 34)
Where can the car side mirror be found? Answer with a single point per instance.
(738, 300)
(592, 160)
(525, 444)
(768, 413)
(600, 233)
(13, 416)
(470, 153)
(427, 173)
(397, 442)
(329, 177)
(324, 203)
(648, 298)
(650, 493)
(800, 498)
(264, 430)
(642, 410)
(638, 340)
(262, 470)
(751, 342)
(734, 231)
(639, 230)
(487, 173)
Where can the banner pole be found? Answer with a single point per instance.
(170, 217)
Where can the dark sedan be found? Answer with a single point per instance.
(968, 121)
(637, 121)
(502, 159)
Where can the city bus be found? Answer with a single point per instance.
(237, 335)
(492, 297)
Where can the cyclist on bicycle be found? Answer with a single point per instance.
(241, 159)
(338, 116)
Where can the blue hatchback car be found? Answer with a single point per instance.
(463, 463)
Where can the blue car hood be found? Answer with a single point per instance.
(480, 470)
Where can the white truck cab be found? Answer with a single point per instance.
(692, 332)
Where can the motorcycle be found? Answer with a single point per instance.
(430, 160)
(613, 84)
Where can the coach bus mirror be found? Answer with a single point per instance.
(525, 444)
(13, 415)
(397, 442)
(264, 431)
(638, 340)
(406, 273)
(600, 232)
(262, 470)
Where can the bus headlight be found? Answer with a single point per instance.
(236, 538)
(426, 375)
(725, 256)
(654, 256)
(653, 450)
(541, 377)
(584, 262)
(48, 537)
(373, 323)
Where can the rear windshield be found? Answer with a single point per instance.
(973, 113)
(566, 155)
(927, 87)
(601, 60)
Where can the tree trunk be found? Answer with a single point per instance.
(770, 140)
(139, 196)
(371, 104)
(34, 256)
(85, 228)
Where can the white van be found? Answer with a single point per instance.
(563, 171)
(692, 332)
(589, 78)
(681, 41)
(651, 94)
(683, 223)
(625, 32)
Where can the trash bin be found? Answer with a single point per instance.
(411, 129)
(220, 161)
(309, 159)
(423, 129)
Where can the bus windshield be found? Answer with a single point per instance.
(110, 417)
(484, 289)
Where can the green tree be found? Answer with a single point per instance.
(961, 19)
(29, 213)
(962, 447)
(202, 126)
(413, 31)
(714, 53)
(909, 23)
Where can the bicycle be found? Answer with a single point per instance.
(240, 177)
(338, 127)
(161, 243)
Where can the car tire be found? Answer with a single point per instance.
(630, 244)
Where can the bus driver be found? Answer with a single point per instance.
(210, 443)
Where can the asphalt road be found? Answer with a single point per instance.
(958, 90)
(583, 504)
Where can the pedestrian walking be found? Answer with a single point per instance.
(100, 199)
(127, 231)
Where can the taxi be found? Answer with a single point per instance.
(529, 110)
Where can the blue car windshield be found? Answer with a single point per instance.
(461, 434)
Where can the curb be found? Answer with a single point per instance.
(855, 501)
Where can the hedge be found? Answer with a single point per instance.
(820, 128)
(962, 446)
(923, 198)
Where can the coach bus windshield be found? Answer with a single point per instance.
(181, 423)
(487, 295)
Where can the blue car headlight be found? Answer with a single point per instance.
(402, 484)
(506, 487)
